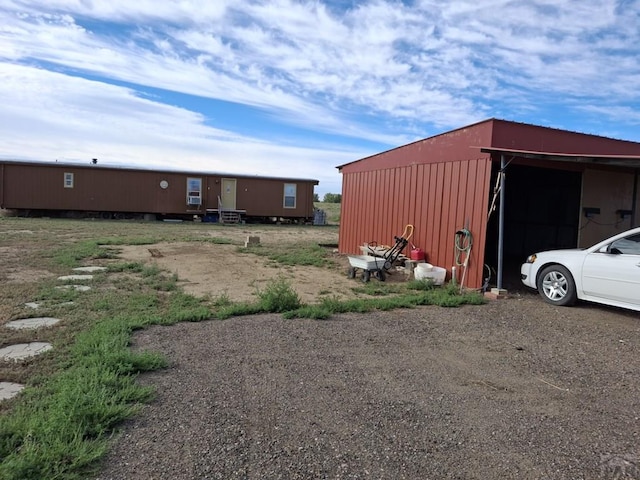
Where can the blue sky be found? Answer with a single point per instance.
(295, 87)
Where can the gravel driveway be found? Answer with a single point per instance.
(513, 389)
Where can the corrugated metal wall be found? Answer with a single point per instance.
(437, 198)
(440, 183)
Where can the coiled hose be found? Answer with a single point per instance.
(463, 242)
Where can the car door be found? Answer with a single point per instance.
(613, 272)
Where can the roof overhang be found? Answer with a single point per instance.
(628, 161)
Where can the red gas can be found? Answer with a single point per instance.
(417, 254)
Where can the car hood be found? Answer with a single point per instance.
(569, 252)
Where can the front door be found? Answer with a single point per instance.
(229, 193)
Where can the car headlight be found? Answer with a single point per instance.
(531, 258)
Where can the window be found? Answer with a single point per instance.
(194, 191)
(629, 245)
(289, 195)
(68, 180)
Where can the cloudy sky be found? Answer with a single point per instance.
(296, 87)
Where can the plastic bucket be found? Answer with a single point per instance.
(424, 267)
(436, 274)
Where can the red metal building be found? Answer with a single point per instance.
(448, 182)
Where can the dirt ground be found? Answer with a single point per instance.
(512, 389)
(209, 269)
(214, 270)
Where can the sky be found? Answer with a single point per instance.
(294, 88)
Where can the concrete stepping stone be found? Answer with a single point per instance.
(9, 390)
(80, 288)
(27, 323)
(36, 305)
(90, 269)
(20, 351)
(76, 277)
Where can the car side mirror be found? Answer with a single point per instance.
(613, 250)
(610, 249)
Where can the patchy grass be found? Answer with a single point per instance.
(217, 240)
(78, 392)
(81, 390)
(447, 296)
(292, 254)
(128, 241)
(70, 255)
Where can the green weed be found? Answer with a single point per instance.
(297, 254)
(128, 241)
(217, 240)
(222, 300)
(278, 296)
(70, 256)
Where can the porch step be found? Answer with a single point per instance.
(229, 217)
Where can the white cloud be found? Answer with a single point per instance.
(378, 70)
(62, 117)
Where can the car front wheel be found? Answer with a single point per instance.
(556, 286)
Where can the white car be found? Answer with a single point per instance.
(608, 272)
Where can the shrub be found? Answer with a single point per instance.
(278, 297)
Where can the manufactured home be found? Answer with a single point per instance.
(513, 188)
(37, 188)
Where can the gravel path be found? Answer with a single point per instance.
(513, 389)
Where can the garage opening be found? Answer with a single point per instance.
(542, 212)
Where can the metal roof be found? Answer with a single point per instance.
(630, 161)
(148, 169)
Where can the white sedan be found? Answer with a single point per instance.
(608, 272)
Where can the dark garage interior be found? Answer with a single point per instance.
(541, 211)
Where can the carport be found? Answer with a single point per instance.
(448, 182)
(558, 200)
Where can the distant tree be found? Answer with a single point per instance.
(316, 197)
(332, 198)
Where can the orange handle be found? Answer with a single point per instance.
(408, 228)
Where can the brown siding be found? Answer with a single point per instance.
(96, 189)
(41, 186)
(609, 191)
(265, 197)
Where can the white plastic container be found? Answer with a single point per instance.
(436, 274)
(425, 267)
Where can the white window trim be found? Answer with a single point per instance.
(68, 180)
(285, 196)
(191, 198)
